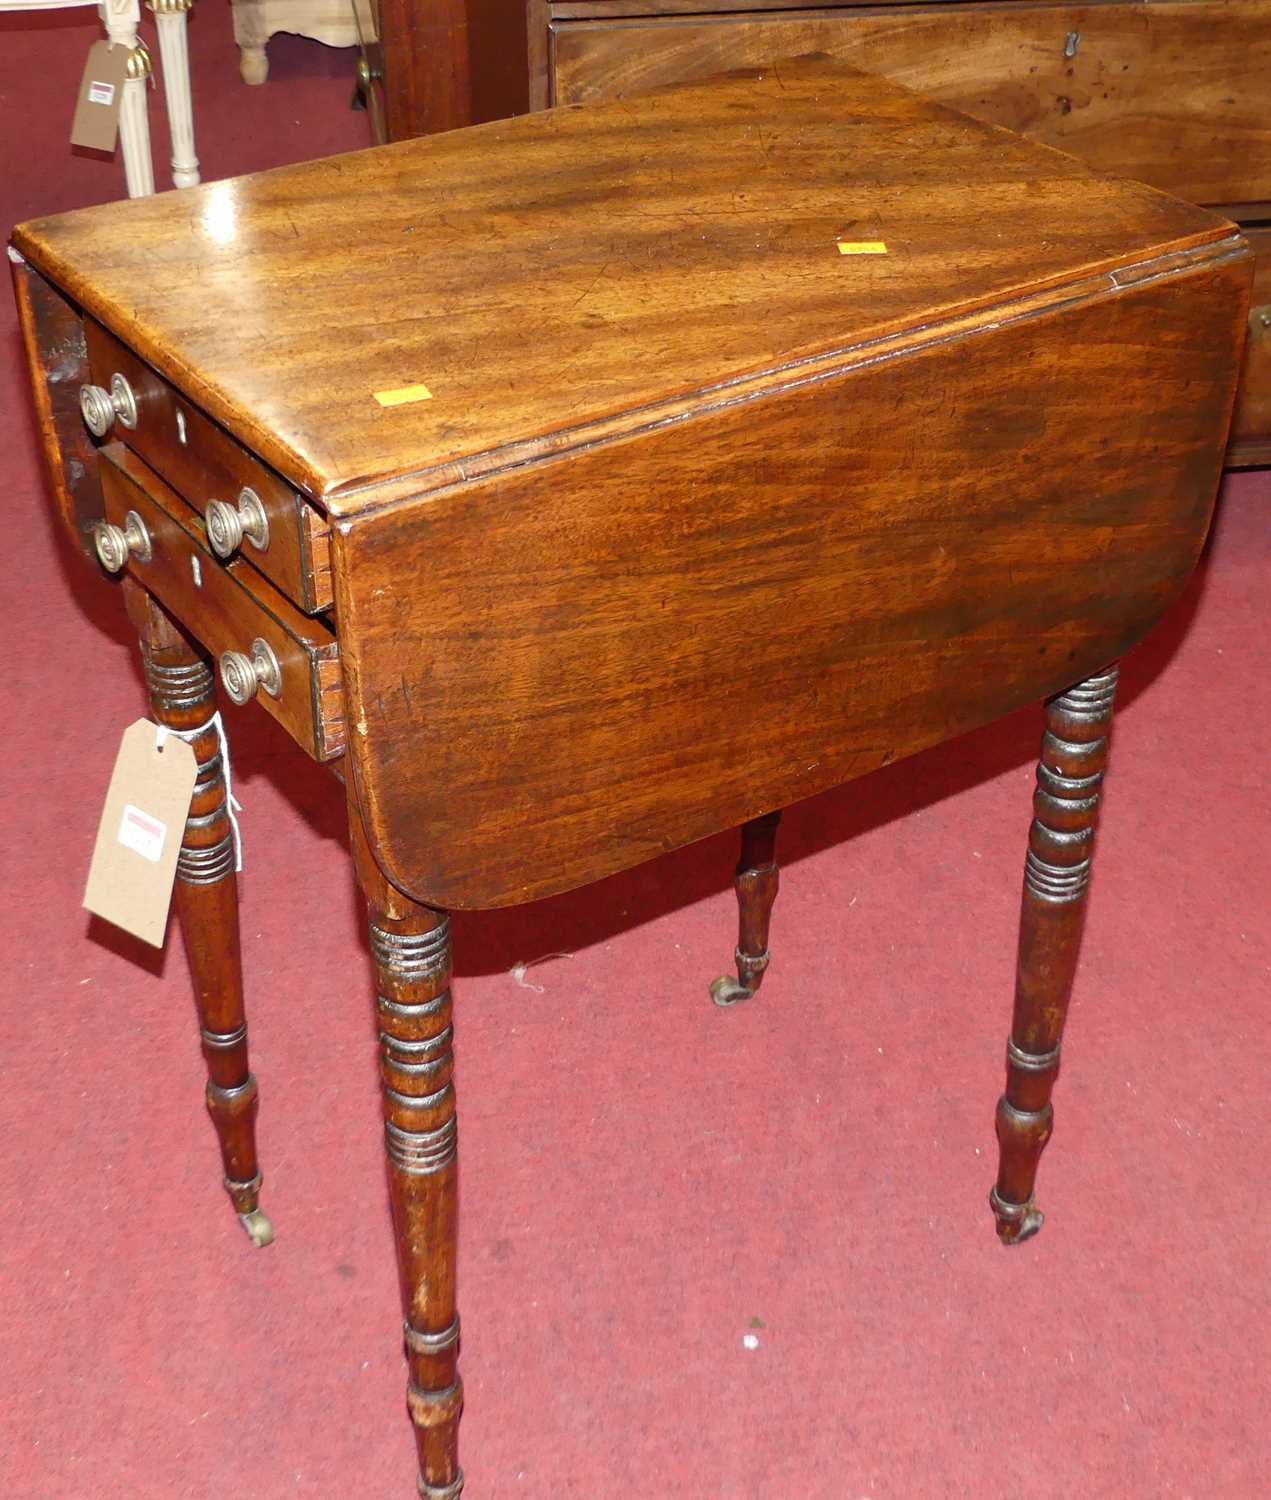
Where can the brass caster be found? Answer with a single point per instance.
(450, 1491)
(260, 1231)
(728, 990)
(1016, 1222)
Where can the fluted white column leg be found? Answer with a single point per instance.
(174, 53)
(121, 17)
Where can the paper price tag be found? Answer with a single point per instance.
(403, 396)
(96, 122)
(139, 837)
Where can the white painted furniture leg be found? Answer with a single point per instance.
(174, 54)
(329, 21)
(251, 33)
(121, 17)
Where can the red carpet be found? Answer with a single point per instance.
(646, 1180)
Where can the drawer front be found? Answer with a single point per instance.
(203, 462)
(1174, 94)
(1251, 426)
(228, 607)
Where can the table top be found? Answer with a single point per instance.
(544, 278)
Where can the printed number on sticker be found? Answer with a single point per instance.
(139, 831)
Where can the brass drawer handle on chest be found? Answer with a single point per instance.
(227, 527)
(269, 653)
(242, 674)
(241, 499)
(102, 407)
(116, 544)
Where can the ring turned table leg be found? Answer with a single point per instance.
(205, 896)
(757, 881)
(410, 945)
(1074, 754)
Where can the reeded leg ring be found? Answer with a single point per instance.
(450, 1491)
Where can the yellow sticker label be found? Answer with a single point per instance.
(403, 395)
(862, 247)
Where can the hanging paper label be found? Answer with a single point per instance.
(96, 122)
(139, 837)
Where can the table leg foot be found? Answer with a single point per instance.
(757, 880)
(1016, 1222)
(441, 1491)
(257, 1224)
(1074, 755)
(253, 65)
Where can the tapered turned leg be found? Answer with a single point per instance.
(1066, 803)
(410, 945)
(756, 881)
(206, 900)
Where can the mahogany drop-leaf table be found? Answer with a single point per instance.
(581, 485)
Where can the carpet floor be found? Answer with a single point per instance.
(714, 1255)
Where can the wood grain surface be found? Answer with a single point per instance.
(570, 667)
(1172, 93)
(548, 277)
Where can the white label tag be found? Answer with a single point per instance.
(100, 95)
(139, 831)
(139, 837)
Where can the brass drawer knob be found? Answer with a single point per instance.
(243, 674)
(226, 527)
(101, 407)
(115, 544)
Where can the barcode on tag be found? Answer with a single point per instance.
(139, 831)
(101, 93)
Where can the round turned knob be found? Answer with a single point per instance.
(226, 527)
(99, 414)
(115, 544)
(101, 407)
(243, 674)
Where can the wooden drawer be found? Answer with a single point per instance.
(1251, 426)
(228, 606)
(203, 462)
(1174, 94)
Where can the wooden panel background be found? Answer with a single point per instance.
(1251, 429)
(1175, 94)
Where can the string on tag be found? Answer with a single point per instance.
(232, 804)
